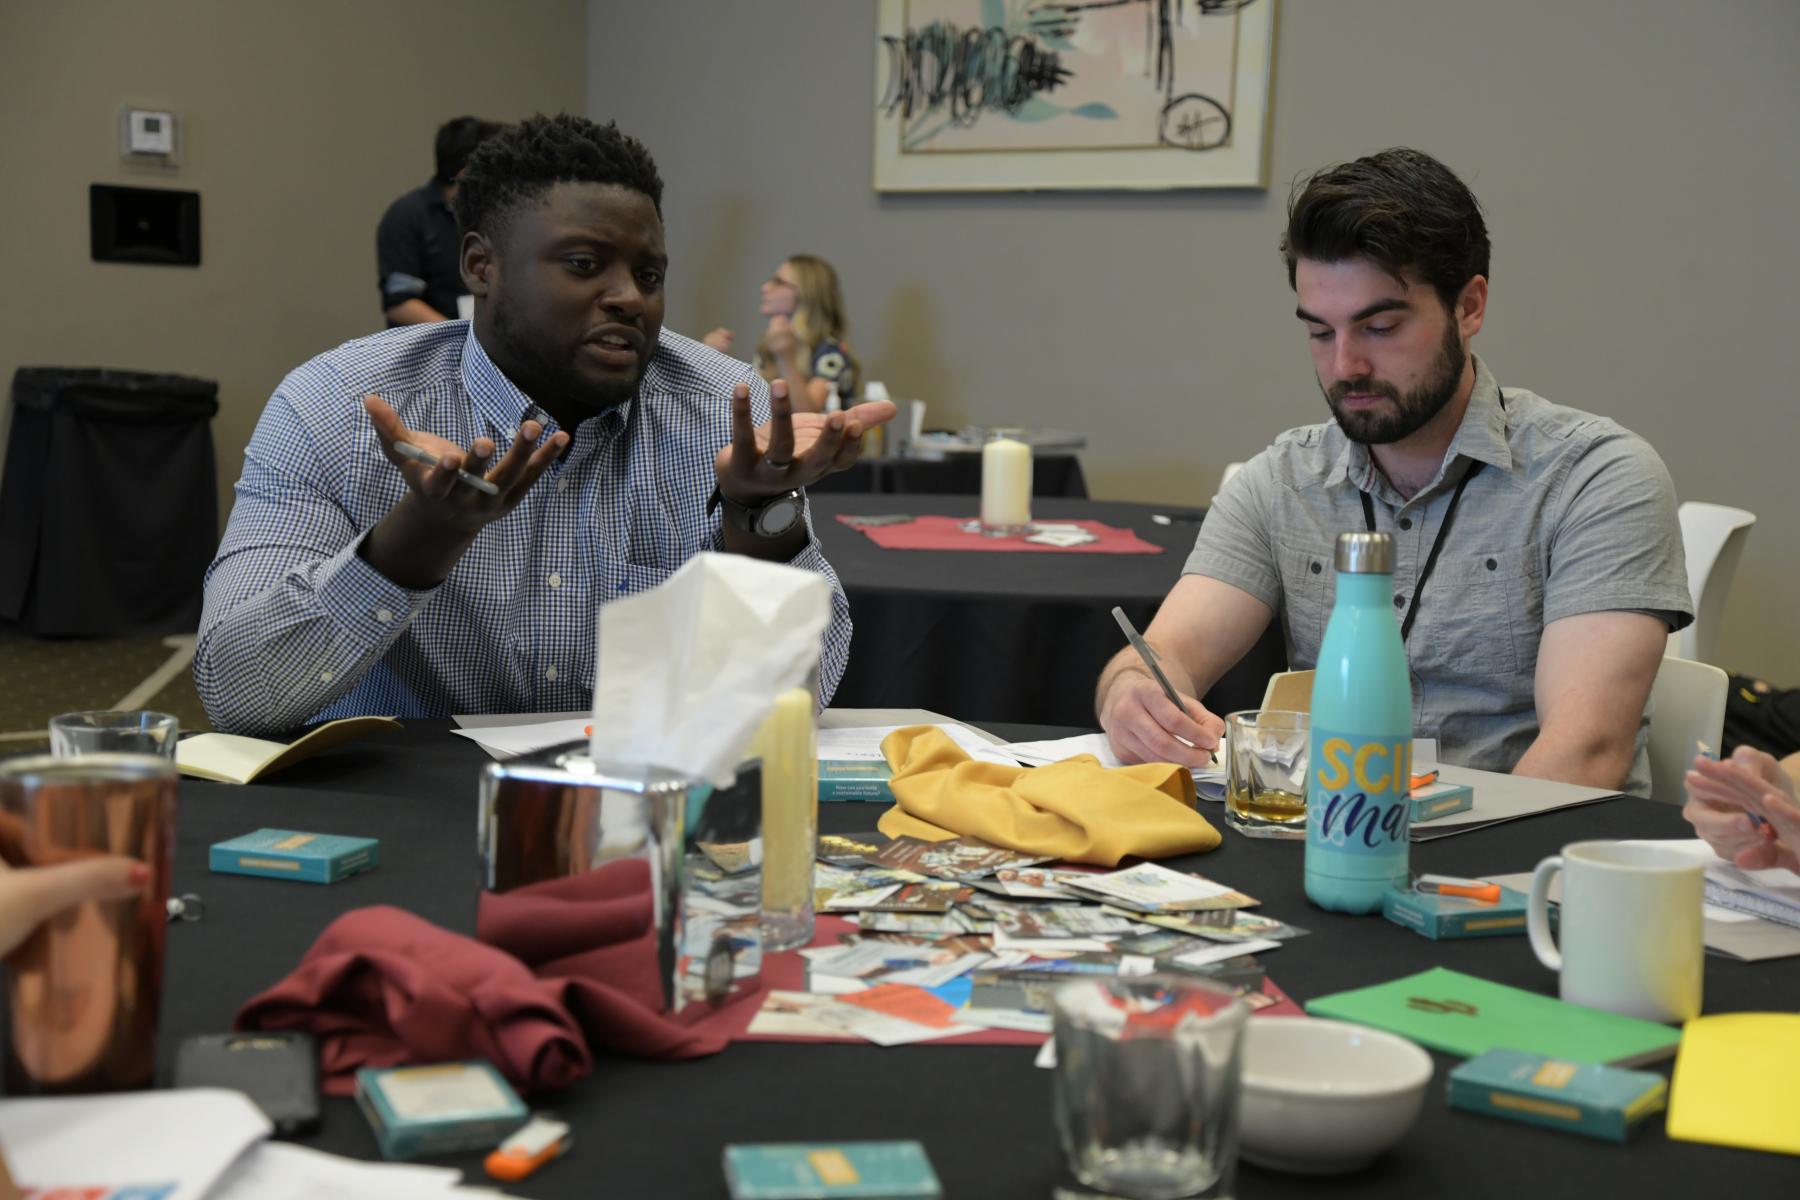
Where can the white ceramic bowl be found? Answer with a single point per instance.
(1322, 1097)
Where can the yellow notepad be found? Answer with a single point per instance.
(231, 758)
(1737, 1082)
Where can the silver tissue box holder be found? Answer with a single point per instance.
(558, 813)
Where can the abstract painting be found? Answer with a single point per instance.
(1008, 95)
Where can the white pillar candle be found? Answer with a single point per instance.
(788, 747)
(1005, 484)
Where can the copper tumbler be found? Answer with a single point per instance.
(84, 989)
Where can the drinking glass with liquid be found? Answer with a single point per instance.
(1267, 755)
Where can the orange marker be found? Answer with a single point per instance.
(535, 1143)
(1450, 885)
(1425, 780)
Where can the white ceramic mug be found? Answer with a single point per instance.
(1631, 928)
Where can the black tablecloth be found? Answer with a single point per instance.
(956, 474)
(648, 1129)
(1007, 636)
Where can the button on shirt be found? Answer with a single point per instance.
(1571, 514)
(298, 627)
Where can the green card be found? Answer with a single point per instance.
(1460, 1014)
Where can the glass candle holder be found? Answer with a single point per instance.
(787, 743)
(1005, 484)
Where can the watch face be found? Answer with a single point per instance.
(778, 516)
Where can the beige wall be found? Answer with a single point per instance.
(1637, 161)
(301, 122)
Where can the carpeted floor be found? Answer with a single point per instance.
(40, 677)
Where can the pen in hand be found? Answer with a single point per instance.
(1756, 820)
(1148, 656)
(420, 455)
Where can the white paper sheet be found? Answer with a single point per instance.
(279, 1171)
(864, 744)
(1209, 781)
(171, 1145)
(510, 741)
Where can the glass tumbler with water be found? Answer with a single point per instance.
(119, 731)
(1148, 1070)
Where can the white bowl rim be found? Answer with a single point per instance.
(1421, 1062)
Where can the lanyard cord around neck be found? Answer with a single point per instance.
(1437, 543)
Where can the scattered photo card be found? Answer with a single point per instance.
(1220, 953)
(850, 849)
(1221, 926)
(921, 898)
(960, 858)
(928, 925)
(1149, 887)
(1033, 883)
(853, 901)
(904, 1002)
(1063, 922)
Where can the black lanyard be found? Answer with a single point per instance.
(1437, 543)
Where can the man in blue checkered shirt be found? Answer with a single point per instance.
(582, 453)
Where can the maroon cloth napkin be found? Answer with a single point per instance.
(382, 987)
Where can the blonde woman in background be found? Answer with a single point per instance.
(807, 340)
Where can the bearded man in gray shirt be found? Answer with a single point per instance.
(1538, 559)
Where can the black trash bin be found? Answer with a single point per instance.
(108, 507)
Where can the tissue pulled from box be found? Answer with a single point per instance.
(686, 672)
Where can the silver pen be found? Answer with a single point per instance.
(1149, 656)
(421, 455)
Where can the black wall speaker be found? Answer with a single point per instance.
(144, 225)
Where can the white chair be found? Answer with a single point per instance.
(1687, 705)
(1714, 536)
(1230, 470)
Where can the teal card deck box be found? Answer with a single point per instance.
(1586, 1098)
(444, 1108)
(1439, 917)
(855, 779)
(831, 1171)
(1440, 799)
(288, 854)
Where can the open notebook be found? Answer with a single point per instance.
(1773, 895)
(233, 758)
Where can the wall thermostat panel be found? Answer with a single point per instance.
(147, 133)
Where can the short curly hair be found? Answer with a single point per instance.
(518, 165)
(1400, 209)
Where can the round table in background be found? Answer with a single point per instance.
(1007, 636)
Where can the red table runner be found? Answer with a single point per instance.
(956, 533)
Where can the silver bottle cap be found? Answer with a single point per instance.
(1365, 553)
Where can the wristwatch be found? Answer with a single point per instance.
(772, 518)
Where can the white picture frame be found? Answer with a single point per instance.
(1025, 95)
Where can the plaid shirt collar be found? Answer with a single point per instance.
(499, 402)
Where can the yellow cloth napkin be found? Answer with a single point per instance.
(1076, 809)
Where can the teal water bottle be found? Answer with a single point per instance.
(1359, 765)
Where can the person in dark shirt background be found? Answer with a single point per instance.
(417, 245)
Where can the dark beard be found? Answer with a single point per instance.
(546, 378)
(1413, 410)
